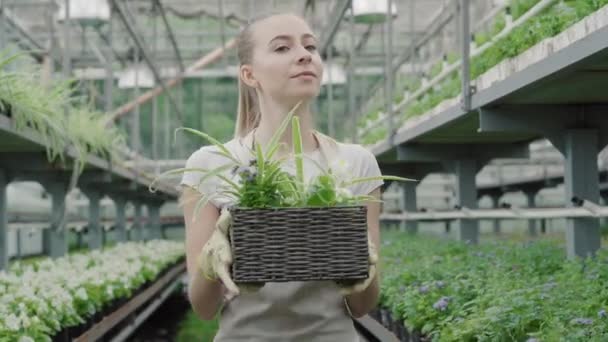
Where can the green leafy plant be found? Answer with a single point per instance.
(49, 108)
(263, 183)
(496, 291)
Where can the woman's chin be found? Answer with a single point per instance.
(304, 94)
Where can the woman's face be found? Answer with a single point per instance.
(286, 63)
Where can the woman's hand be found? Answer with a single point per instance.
(215, 258)
(362, 284)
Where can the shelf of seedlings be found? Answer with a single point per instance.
(43, 129)
(513, 56)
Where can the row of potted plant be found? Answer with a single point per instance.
(54, 110)
(444, 290)
(41, 299)
(548, 23)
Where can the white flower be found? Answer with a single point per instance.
(26, 339)
(12, 322)
(81, 294)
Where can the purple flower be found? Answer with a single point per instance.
(602, 313)
(423, 289)
(440, 284)
(532, 339)
(582, 321)
(479, 254)
(441, 304)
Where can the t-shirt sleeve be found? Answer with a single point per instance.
(197, 165)
(367, 167)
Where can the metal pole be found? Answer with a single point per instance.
(222, 30)
(155, 102)
(330, 95)
(351, 73)
(66, 42)
(167, 127)
(3, 39)
(109, 85)
(388, 75)
(4, 181)
(466, 43)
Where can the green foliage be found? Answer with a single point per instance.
(436, 69)
(520, 7)
(495, 292)
(50, 108)
(193, 328)
(263, 183)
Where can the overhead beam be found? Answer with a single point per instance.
(127, 23)
(163, 14)
(335, 18)
(149, 95)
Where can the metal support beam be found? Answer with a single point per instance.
(154, 216)
(480, 152)
(408, 204)
(567, 127)
(4, 181)
(335, 18)
(583, 236)
(141, 47)
(95, 234)
(121, 228)
(531, 202)
(466, 196)
(388, 91)
(137, 228)
(549, 121)
(495, 203)
(55, 241)
(163, 14)
(466, 54)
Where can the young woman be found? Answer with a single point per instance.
(279, 68)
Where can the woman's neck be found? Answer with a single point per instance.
(273, 115)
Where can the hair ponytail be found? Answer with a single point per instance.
(248, 113)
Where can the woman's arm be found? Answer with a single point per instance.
(361, 303)
(205, 295)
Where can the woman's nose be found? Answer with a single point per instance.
(306, 57)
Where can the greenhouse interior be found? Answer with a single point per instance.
(487, 121)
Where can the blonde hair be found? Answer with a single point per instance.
(248, 111)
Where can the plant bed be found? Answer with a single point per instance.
(288, 244)
(391, 322)
(58, 299)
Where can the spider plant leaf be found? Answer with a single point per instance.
(209, 138)
(273, 145)
(173, 172)
(367, 179)
(260, 159)
(297, 149)
(215, 172)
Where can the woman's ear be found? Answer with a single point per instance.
(247, 77)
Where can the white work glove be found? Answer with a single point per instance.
(215, 259)
(361, 285)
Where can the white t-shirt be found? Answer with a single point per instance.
(287, 311)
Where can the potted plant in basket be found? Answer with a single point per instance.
(286, 229)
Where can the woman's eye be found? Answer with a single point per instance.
(281, 49)
(311, 47)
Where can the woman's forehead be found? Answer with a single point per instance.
(284, 26)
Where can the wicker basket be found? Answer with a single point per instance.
(299, 244)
